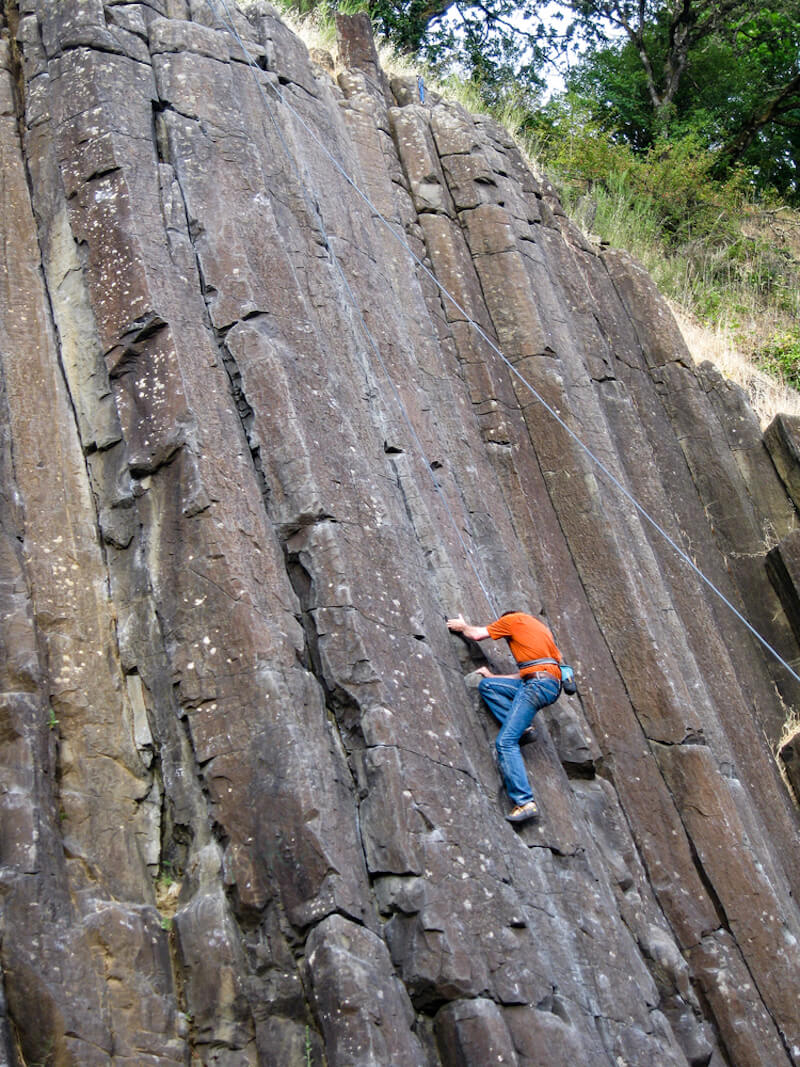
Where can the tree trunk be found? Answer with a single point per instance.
(684, 16)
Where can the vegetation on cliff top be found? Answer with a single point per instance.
(673, 132)
(726, 255)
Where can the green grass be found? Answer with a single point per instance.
(730, 261)
(780, 356)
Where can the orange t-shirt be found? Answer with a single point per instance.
(528, 639)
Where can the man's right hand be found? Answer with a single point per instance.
(459, 625)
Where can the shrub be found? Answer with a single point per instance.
(781, 356)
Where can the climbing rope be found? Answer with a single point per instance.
(230, 25)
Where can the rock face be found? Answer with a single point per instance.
(253, 452)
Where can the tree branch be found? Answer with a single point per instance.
(787, 98)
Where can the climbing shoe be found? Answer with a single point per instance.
(523, 812)
(528, 735)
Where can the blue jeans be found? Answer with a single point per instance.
(514, 702)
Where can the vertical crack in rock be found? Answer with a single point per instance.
(753, 968)
(343, 709)
(245, 414)
(194, 229)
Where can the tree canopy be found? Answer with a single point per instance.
(726, 72)
(733, 82)
(501, 46)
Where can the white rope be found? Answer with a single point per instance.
(481, 333)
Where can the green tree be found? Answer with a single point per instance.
(501, 46)
(726, 72)
(662, 34)
(767, 133)
(739, 94)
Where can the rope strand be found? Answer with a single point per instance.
(488, 340)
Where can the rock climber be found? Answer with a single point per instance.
(514, 699)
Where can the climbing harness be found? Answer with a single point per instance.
(568, 683)
(230, 26)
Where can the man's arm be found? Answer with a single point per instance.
(459, 626)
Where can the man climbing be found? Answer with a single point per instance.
(514, 699)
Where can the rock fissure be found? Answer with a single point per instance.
(246, 416)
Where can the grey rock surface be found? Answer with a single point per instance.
(253, 452)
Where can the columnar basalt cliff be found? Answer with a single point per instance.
(251, 457)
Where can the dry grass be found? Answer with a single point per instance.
(781, 226)
(319, 35)
(315, 34)
(791, 730)
(768, 397)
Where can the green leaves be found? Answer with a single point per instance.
(724, 72)
(780, 356)
(737, 91)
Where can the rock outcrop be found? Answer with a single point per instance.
(252, 455)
